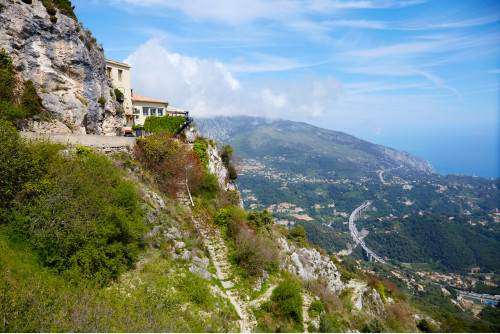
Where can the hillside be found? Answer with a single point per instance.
(305, 145)
(315, 177)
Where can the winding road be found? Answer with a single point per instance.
(355, 235)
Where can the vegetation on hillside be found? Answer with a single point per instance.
(64, 6)
(167, 124)
(15, 106)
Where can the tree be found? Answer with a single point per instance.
(228, 161)
(30, 99)
(174, 166)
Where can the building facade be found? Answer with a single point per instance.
(144, 106)
(137, 107)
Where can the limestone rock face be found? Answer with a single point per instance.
(310, 265)
(67, 67)
(216, 167)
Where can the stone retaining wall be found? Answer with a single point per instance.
(106, 144)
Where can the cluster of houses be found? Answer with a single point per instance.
(137, 107)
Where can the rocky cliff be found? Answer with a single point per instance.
(65, 63)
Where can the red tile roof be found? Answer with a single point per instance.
(141, 98)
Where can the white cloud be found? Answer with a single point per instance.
(208, 87)
(243, 11)
(358, 24)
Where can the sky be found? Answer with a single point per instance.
(417, 75)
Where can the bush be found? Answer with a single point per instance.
(424, 326)
(51, 10)
(53, 19)
(227, 158)
(200, 147)
(298, 234)
(11, 112)
(136, 127)
(222, 217)
(209, 186)
(83, 150)
(7, 77)
(286, 302)
(171, 164)
(374, 326)
(261, 218)
(253, 253)
(64, 7)
(165, 124)
(30, 99)
(102, 100)
(329, 324)
(87, 224)
(15, 162)
(119, 95)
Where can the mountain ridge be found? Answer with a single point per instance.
(262, 136)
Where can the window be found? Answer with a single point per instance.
(145, 111)
(120, 72)
(109, 72)
(136, 117)
(160, 111)
(153, 112)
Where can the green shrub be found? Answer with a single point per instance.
(261, 218)
(83, 150)
(253, 253)
(7, 77)
(64, 7)
(329, 323)
(53, 19)
(196, 289)
(30, 99)
(87, 224)
(222, 217)
(50, 8)
(200, 147)
(12, 113)
(316, 307)
(286, 302)
(209, 187)
(102, 100)
(424, 326)
(118, 95)
(166, 124)
(298, 234)
(14, 164)
(136, 127)
(227, 158)
(374, 326)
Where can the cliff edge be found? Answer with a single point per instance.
(66, 65)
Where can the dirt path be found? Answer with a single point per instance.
(218, 253)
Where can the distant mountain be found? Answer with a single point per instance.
(254, 137)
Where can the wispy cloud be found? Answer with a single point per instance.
(242, 11)
(393, 50)
(358, 24)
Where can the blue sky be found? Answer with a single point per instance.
(417, 75)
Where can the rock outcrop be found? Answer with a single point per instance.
(310, 265)
(216, 167)
(66, 65)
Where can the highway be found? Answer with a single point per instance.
(355, 235)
